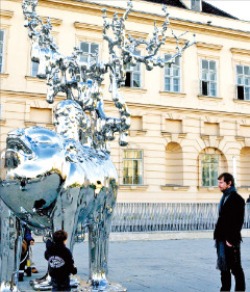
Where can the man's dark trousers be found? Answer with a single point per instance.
(234, 266)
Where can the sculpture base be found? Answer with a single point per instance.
(87, 287)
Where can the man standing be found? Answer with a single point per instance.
(227, 234)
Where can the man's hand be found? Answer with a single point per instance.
(229, 244)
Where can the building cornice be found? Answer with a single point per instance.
(32, 95)
(146, 18)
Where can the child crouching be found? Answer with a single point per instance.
(60, 261)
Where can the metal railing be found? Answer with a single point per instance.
(147, 217)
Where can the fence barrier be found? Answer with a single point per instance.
(148, 217)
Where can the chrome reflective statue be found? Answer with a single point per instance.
(64, 179)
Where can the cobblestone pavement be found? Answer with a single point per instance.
(154, 265)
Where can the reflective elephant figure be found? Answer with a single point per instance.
(66, 184)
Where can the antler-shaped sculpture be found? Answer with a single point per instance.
(81, 81)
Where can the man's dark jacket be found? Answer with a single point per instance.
(231, 219)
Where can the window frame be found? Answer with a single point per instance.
(33, 73)
(88, 54)
(131, 71)
(208, 81)
(243, 86)
(212, 180)
(172, 76)
(2, 66)
(140, 166)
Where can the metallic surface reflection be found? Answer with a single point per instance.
(60, 179)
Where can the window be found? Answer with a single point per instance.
(208, 78)
(132, 167)
(243, 82)
(133, 74)
(172, 75)
(34, 68)
(2, 35)
(90, 52)
(210, 167)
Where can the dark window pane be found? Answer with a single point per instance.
(240, 92)
(204, 88)
(128, 79)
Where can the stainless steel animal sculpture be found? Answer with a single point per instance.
(62, 178)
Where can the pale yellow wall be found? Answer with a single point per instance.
(174, 126)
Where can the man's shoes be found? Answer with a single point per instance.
(34, 270)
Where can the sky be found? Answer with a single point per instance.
(238, 8)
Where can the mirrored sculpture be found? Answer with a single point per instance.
(65, 179)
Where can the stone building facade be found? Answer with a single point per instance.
(189, 121)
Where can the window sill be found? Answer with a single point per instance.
(243, 188)
(172, 94)
(208, 97)
(134, 89)
(174, 188)
(133, 187)
(4, 75)
(209, 189)
(32, 124)
(32, 78)
(133, 133)
(241, 101)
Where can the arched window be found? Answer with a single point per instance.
(212, 162)
(133, 167)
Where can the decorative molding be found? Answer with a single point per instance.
(172, 135)
(211, 140)
(133, 187)
(6, 13)
(240, 138)
(243, 188)
(31, 124)
(240, 51)
(170, 40)
(241, 101)
(133, 133)
(208, 189)
(244, 140)
(172, 94)
(174, 188)
(54, 21)
(141, 17)
(197, 27)
(33, 78)
(4, 75)
(136, 90)
(209, 98)
(88, 26)
(137, 34)
(206, 46)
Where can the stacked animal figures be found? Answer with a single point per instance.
(68, 179)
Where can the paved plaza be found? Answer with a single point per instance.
(156, 265)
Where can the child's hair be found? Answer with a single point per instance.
(60, 236)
